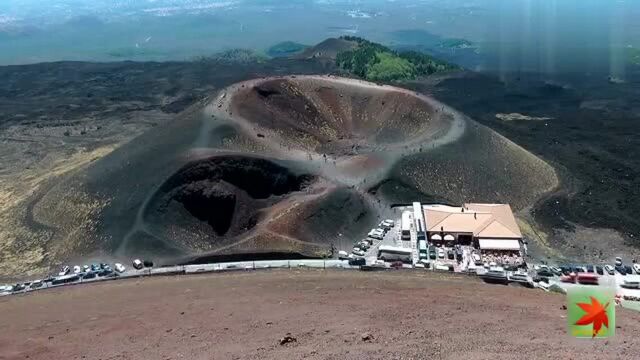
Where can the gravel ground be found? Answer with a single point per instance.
(330, 314)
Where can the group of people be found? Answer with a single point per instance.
(502, 257)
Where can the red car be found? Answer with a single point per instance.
(588, 279)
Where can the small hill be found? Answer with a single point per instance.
(376, 62)
(328, 49)
(286, 49)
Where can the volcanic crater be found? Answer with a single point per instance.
(291, 166)
(334, 116)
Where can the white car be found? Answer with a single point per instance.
(441, 253)
(137, 264)
(86, 268)
(441, 267)
(65, 270)
(609, 269)
(77, 269)
(119, 267)
(636, 268)
(358, 252)
(389, 223)
(375, 235)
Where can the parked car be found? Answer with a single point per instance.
(636, 267)
(376, 235)
(86, 268)
(147, 263)
(571, 278)
(556, 270)
(137, 264)
(588, 279)
(545, 273)
(440, 253)
(618, 261)
(341, 255)
(18, 287)
(389, 223)
(6, 288)
(621, 270)
(95, 267)
(368, 241)
(628, 269)
(441, 267)
(450, 255)
(89, 275)
(599, 270)
(105, 272)
(357, 262)
(77, 269)
(609, 269)
(589, 268)
(358, 252)
(36, 284)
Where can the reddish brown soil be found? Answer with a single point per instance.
(244, 315)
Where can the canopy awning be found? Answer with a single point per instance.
(449, 237)
(436, 237)
(499, 244)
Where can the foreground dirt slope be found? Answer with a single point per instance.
(244, 315)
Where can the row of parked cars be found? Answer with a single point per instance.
(70, 274)
(619, 268)
(360, 248)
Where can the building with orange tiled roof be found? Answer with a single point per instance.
(486, 226)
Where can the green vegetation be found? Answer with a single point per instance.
(285, 48)
(376, 62)
(456, 44)
(389, 67)
(131, 52)
(633, 55)
(234, 56)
